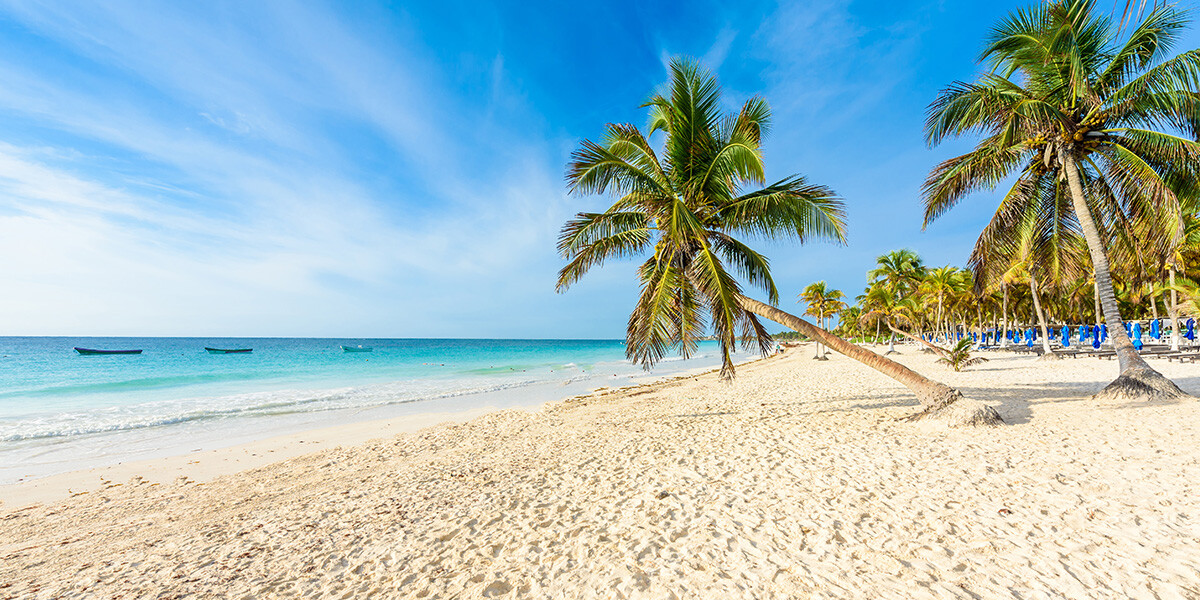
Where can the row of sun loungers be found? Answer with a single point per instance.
(1189, 355)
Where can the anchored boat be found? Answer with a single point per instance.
(357, 348)
(229, 350)
(93, 351)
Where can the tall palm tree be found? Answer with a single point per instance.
(1074, 111)
(822, 302)
(685, 210)
(938, 284)
(900, 270)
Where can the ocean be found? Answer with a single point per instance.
(62, 411)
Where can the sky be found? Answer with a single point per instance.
(393, 169)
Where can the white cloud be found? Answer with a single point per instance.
(205, 187)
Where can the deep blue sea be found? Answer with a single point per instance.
(60, 410)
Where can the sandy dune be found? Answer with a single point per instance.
(794, 482)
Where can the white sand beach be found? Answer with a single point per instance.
(795, 481)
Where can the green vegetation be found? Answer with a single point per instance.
(959, 357)
(1099, 131)
(688, 207)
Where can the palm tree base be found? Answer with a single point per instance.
(1141, 385)
(820, 358)
(950, 408)
(1049, 356)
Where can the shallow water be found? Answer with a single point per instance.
(62, 411)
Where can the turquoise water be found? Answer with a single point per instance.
(77, 411)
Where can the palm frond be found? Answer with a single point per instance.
(791, 207)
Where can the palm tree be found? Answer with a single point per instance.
(1186, 240)
(896, 313)
(686, 209)
(1033, 243)
(940, 283)
(1073, 111)
(959, 357)
(900, 270)
(848, 322)
(822, 302)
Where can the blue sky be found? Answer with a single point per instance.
(396, 169)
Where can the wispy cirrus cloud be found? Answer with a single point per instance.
(285, 161)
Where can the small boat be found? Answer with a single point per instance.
(228, 350)
(89, 351)
(357, 348)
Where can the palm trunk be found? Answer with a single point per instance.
(940, 351)
(1004, 334)
(1096, 297)
(1174, 310)
(892, 344)
(817, 343)
(1153, 304)
(876, 333)
(941, 324)
(937, 399)
(1137, 380)
(1047, 353)
(979, 323)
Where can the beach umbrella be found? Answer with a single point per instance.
(1066, 336)
(1137, 336)
(1128, 329)
(1029, 337)
(1103, 332)
(1083, 333)
(1154, 331)
(1095, 337)
(1191, 333)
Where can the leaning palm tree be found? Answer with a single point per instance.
(686, 208)
(1072, 110)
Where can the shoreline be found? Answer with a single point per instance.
(207, 464)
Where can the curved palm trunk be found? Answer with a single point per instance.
(920, 340)
(936, 398)
(1137, 379)
(892, 345)
(1047, 353)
